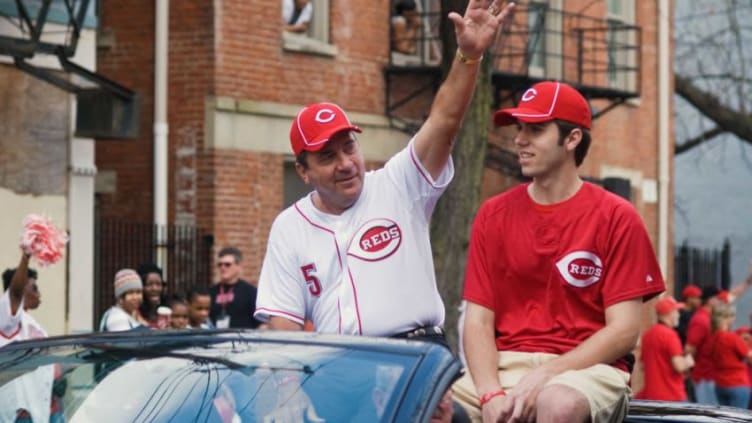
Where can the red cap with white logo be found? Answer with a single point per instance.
(316, 124)
(546, 101)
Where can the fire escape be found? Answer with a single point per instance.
(105, 109)
(598, 56)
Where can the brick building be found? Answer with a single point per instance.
(235, 83)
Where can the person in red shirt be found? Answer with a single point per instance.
(730, 355)
(692, 299)
(698, 335)
(663, 357)
(746, 333)
(557, 272)
(698, 344)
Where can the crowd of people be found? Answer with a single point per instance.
(141, 300)
(693, 352)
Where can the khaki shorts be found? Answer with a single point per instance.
(605, 387)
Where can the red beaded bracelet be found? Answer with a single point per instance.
(488, 396)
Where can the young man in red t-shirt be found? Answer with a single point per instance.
(663, 357)
(556, 275)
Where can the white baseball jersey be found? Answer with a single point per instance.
(11, 328)
(31, 391)
(20, 327)
(368, 271)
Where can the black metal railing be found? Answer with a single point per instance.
(547, 43)
(425, 43)
(599, 56)
(119, 244)
(702, 267)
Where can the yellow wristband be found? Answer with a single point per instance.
(467, 60)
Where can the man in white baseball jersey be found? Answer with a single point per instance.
(354, 255)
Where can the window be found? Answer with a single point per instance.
(426, 39)
(294, 187)
(621, 45)
(316, 39)
(319, 29)
(544, 46)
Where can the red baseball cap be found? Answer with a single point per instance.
(741, 330)
(724, 296)
(691, 291)
(547, 101)
(667, 304)
(315, 124)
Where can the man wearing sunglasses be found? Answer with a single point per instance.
(233, 299)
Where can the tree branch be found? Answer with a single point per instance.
(694, 142)
(739, 124)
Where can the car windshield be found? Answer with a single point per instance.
(224, 381)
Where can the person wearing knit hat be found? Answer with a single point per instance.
(124, 315)
(663, 357)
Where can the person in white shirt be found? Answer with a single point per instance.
(124, 315)
(354, 254)
(296, 15)
(20, 292)
(31, 300)
(29, 392)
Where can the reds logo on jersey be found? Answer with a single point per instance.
(580, 268)
(376, 240)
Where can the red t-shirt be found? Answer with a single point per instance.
(660, 344)
(550, 271)
(728, 352)
(698, 336)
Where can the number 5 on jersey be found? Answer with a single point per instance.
(309, 274)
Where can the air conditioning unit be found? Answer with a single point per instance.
(103, 114)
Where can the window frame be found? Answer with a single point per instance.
(615, 78)
(549, 49)
(317, 39)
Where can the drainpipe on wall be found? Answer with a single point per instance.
(664, 141)
(161, 32)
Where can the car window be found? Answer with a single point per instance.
(222, 382)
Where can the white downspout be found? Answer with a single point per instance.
(161, 32)
(664, 140)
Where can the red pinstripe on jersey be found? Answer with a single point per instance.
(295, 317)
(339, 258)
(12, 334)
(422, 171)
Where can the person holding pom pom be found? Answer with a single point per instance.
(11, 304)
(45, 243)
